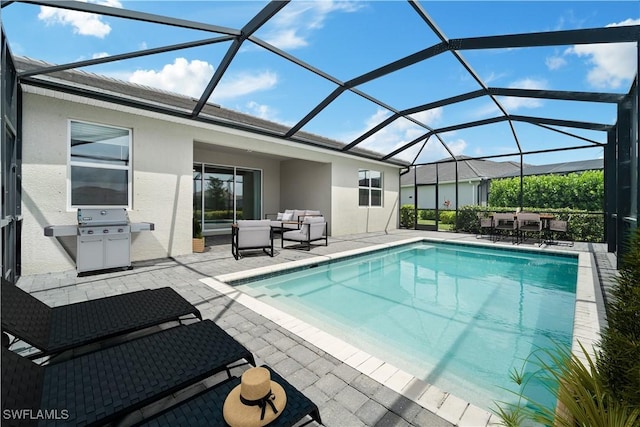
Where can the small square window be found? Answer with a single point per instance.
(369, 188)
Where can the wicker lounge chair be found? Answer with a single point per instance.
(53, 330)
(205, 408)
(104, 386)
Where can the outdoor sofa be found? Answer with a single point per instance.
(290, 219)
(53, 330)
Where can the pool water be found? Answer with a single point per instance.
(460, 317)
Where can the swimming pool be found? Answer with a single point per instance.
(457, 316)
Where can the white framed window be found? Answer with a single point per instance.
(369, 188)
(99, 165)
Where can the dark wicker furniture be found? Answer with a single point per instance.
(53, 330)
(102, 387)
(205, 408)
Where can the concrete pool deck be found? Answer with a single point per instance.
(349, 387)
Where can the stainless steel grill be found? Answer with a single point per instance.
(103, 238)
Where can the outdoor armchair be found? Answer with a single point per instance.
(251, 234)
(53, 330)
(313, 228)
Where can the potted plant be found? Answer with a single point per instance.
(198, 240)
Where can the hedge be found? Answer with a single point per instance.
(582, 191)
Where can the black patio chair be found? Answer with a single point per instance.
(104, 386)
(205, 408)
(53, 330)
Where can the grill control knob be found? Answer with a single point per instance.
(89, 231)
(105, 231)
(120, 230)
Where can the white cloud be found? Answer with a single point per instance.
(397, 133)
(85, 24)
(192, 77)
(99, 55)
(612, 64)
(244, 84)
(292, 26)
(515, 103)
(262, 111)
(184, 77)
(512, 103)
(555, 62)
(434, 150)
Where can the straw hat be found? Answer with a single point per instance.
(256, 401)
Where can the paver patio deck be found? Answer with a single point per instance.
(345, 395)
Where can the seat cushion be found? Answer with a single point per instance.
(313, 219)
(243, 223)
(298, 235)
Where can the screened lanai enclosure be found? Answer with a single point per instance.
(398, 82)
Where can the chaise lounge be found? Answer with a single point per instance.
(53, 330)
(206, 408)
(104, 386)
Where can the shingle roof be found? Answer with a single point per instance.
(473, 170)
(177, 104)
(561, 168)
(468, 169)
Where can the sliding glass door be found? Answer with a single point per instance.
(223, 194)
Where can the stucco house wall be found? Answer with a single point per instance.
(306, 185)
(163, 152)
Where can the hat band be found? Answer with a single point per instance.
(262, 403)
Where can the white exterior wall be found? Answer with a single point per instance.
(306, 185)
(351, 218)
(162, 157)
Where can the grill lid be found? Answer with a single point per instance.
(88, 217)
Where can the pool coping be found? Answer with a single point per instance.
(586, 329)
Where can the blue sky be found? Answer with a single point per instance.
(348, 38)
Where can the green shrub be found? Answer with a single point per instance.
(407, 216)
(197, 229)
(448, 217)
(620, 342)
(583, 398)
(581, 191)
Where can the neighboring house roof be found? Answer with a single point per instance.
(141, 96)
(560, 168)
(474, 170)
(468, 170)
